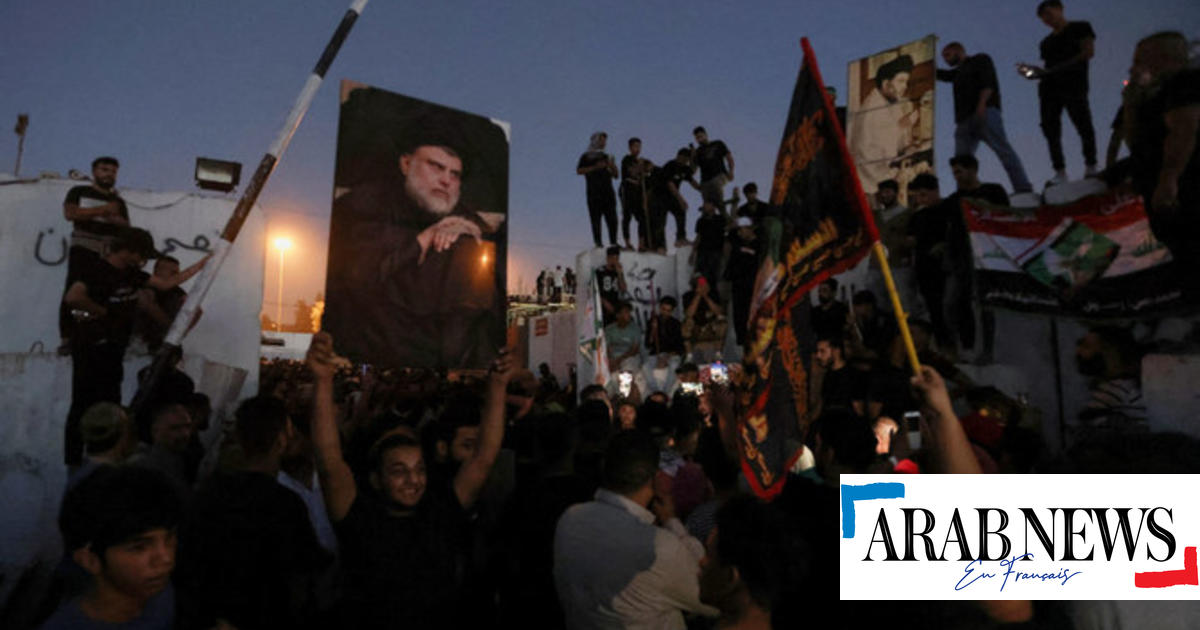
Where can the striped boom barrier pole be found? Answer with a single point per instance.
(204, 279)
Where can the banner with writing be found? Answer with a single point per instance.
(818, 193)
(1094, 258)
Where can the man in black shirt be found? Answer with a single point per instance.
(103, 300)
(664, 345)
(837, 386)
(1165, 146)
(829, 317)
(710, 243)
(634, 170)
(249, 554)
(743, 250)
(961, 316)
(666, 198)
(977, 110)
(599, 169)
(927, 230)
(716, 167)
(612, 284)
(768, 224)
(1064, 85)
(404, 545)
(98, 213)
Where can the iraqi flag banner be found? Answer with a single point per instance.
(830, 228)
(1094, 258)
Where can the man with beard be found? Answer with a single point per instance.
(97, 213)
(411, 274)
(881, 129)
(404, 545)
(829, 318)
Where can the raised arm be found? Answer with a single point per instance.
(337, 481)
(951, 449)
(163, 284)
(475, 471)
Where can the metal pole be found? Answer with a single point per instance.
(279, 311)
(266, 166)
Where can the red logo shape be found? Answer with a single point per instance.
(1187, 576)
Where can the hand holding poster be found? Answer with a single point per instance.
(417, 240)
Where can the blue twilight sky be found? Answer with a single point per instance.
(158, 83)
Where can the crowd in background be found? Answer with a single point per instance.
(344, 496)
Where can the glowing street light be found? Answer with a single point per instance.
(282, 243)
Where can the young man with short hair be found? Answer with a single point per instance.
(977, 110)
(120, 525)
(404, 545)
(250, 554)
(1063, 84)
(666, 198)
(611, 277)
(634, 171)
(960, 288)
(598, 170)
(103, 299)
(664, 345)
(108, 439)
(624, 559)
(927, 237)
(624, 340)
(716, 167)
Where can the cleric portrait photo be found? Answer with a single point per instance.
(417, 242)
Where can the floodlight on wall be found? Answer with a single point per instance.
(217, 174)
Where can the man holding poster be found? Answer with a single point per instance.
(415, 263)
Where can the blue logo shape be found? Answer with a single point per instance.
(850, 494)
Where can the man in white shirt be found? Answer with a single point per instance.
(613, 566)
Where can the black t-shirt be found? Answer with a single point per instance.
(757, 210)
(830, 322)
(975, 74)
(1059, 47)
(1146, 147)
(247, 541)
(405, 571)
(929, 226)
(743, 259)
(599, 182)
(610, 284)
(630, 173)
(91, 197)
(837, 390)
(117, 291)
(673, 172)
(710, 158)
(670, 336)
(958, 242)
(710, 232)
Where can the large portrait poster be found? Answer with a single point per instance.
(889, 115)
(417, 240)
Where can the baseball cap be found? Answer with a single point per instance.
(103, 422)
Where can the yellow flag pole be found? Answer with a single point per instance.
(897, 307)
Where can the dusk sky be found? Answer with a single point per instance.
(160, 83)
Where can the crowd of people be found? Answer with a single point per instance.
(348, 496)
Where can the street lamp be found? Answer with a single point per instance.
(283, 244)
